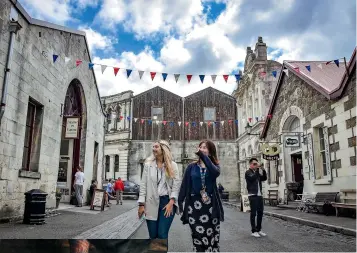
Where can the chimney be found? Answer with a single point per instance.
(260, 50)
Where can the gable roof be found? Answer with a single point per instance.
(158, 88)
(211, 89)
(330, 81)
(41, 23)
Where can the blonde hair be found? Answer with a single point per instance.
(167, 155)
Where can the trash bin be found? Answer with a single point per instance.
(225, 196)
(35, 207)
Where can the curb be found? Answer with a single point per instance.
(324, 226)
(141, 223)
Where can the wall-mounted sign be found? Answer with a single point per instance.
(270, 152)
(72, 128)
(292, 141)
(245, 205)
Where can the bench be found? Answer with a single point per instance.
(272, 198)
(347, 201)
(322, 199)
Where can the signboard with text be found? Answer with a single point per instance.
(245, 204)
(292, 141)
(72, 128)
(98, 199)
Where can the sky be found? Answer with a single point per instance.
(199, 37)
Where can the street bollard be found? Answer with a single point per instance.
(35, 207)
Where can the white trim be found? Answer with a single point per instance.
(322, 181)
(296, 151)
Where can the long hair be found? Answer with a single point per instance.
(167, 155)
(211, 150)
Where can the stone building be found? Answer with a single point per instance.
(254, 93)
(314, 123)
(207, 114)
(51, 115)
(117, 134)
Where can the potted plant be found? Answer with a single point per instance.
(58, 197)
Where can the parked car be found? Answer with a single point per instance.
(131, 189)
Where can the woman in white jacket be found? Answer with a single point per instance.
(159, 191)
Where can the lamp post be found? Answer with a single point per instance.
(248, 129)
(169, 139)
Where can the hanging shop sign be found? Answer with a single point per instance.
(270, 152)
(292, 141)
(72, 128)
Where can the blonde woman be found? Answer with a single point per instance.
(159, 191)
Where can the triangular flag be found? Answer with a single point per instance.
(270, 116)
(177, 76)
(193, 124)
(201, 123)
(337, 62)
(216, 123)
(274, 73)
(263, 74)
(327, 63)
(222, 122)
(90, 65)
(153, 74)
(250, 76)
(236, 122)
(257, 119)
(164, 75)
(128, 72)
(78, 62)
(116, 70)
(189, 78)
(213, 78)
(230, 121)
(142, 121)
(141, 73)
(103, 68)
(157, 122)
(202, 77)
(121, 117)
(308, 67)
(209, 123)
(286, 71)
(319, 65)
(225, 77)
(186, 123)
(297, 69)
(66, 59)
(55, 58)
(250, 119)
(237, 77)
(179, 123)
(172, 123)
(164, 122)
(150, 121)
(128, 118)
(135, 119)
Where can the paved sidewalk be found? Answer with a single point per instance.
(71, 222)
(343, 225)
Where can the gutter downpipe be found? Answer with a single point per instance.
(14, 27)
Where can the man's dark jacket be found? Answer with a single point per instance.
(185, 191)
(253, 178)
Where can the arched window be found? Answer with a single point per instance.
(107, 163)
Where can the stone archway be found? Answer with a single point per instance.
(72, 151)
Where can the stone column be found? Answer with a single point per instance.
(111, 167)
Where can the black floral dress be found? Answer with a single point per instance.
(205, 229)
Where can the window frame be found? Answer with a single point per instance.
(31, 127)
(162, 113)
(214, 114)
(107, 163)
(322, 151)
(116, 163)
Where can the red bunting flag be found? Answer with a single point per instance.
(327, 63)
(230, 121)
(209, 123)
(164, 122)
(153, 74)
(78, 62)
(263, 74)
(121, 117)
(250, 120)
(116, 71)
(297, 69)
(189, 78)
(270, 116)
(225, 77)
(142, 121)
(186, 123)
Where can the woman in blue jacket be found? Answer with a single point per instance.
(203, 207)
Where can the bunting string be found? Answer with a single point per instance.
(153, 75)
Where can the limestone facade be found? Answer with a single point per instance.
(37, 104)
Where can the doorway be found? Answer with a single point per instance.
(296, 163)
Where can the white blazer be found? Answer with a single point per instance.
(149, 190)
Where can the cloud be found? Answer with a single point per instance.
(98, 41)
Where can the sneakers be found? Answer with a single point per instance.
(256, 234)
(262, 233)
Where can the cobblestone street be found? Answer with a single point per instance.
(282, 236)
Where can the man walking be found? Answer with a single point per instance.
(78, 186)
(254, 177)
(119, 188)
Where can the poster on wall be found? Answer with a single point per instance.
(245, 206)
(72, 128)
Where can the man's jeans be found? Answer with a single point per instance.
(159, 229)
(256, 209)
(79, 194)
(119, 196)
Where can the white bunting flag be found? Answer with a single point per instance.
(157, 122)
(177, 76)
(250, 76)
(141, 73)
(103, 68)
(66, 59)
(286, 72)
(179, 123)
(222, 122)
(213, 78)
(201, 123)
(320, 66)
(135, 119)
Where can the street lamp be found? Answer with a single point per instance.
(248, 129)
(169, 139)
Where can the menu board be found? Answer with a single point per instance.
(98, 199)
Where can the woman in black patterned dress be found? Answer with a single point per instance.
(203, 209)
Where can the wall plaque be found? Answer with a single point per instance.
(72, 128)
